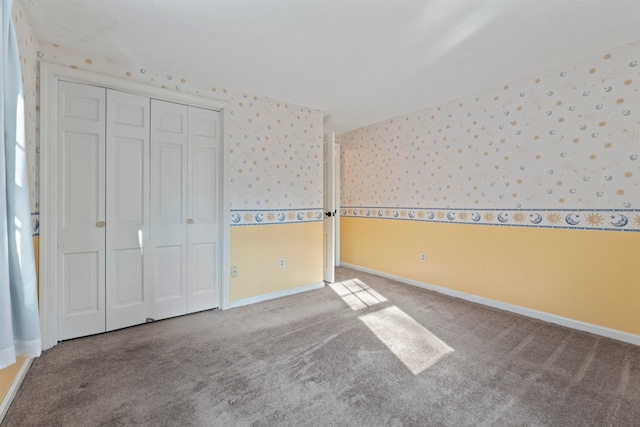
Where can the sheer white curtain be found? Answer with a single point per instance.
(19, 323)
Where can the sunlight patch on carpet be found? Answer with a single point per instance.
(415, 346)
(411, 342)
(357, 294)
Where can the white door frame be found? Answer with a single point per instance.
(50, 74)
(329, 207)
(337, 185)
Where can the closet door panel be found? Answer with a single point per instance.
(204, 185)
(81, 210)
(204, 274)
(129, 158)
(170, 272)
(128, 290)
(168, 208)
(80, 269)
(127, 224)
(203, 208)
(170, 158)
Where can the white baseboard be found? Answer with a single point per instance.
(547, 317)
(8, 398)
(273, 295)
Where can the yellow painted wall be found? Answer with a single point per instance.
(590, 276)
(8, 375)
(256, 250)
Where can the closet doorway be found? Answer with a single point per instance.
(133, 191)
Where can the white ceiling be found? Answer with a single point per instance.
(359, 61)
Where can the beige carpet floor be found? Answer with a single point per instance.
(365, 352)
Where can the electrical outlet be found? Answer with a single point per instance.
(234, 271)
(281, 262)
(423, 257)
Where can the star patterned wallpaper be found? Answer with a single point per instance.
(28, 48)
(275, 147)
(557, 149)
(276, 162)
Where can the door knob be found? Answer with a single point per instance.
(189, 221)
(100, 224)
(330, 214)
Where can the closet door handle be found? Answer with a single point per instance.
(100, 224)
(189, 221)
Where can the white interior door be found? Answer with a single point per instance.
(328, 226)
(127, 215)
(81, 210)
(168, 218)
(203, 206)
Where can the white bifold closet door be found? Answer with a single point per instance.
(137, 207)
(127, 210)
(81, 210)
(103, 209)
(203, 208)
(184, 219)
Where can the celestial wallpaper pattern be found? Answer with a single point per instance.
(276, 154)
(582, 219)
(28, 47)
(274, 216)
(275, 147)
(558, 149)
